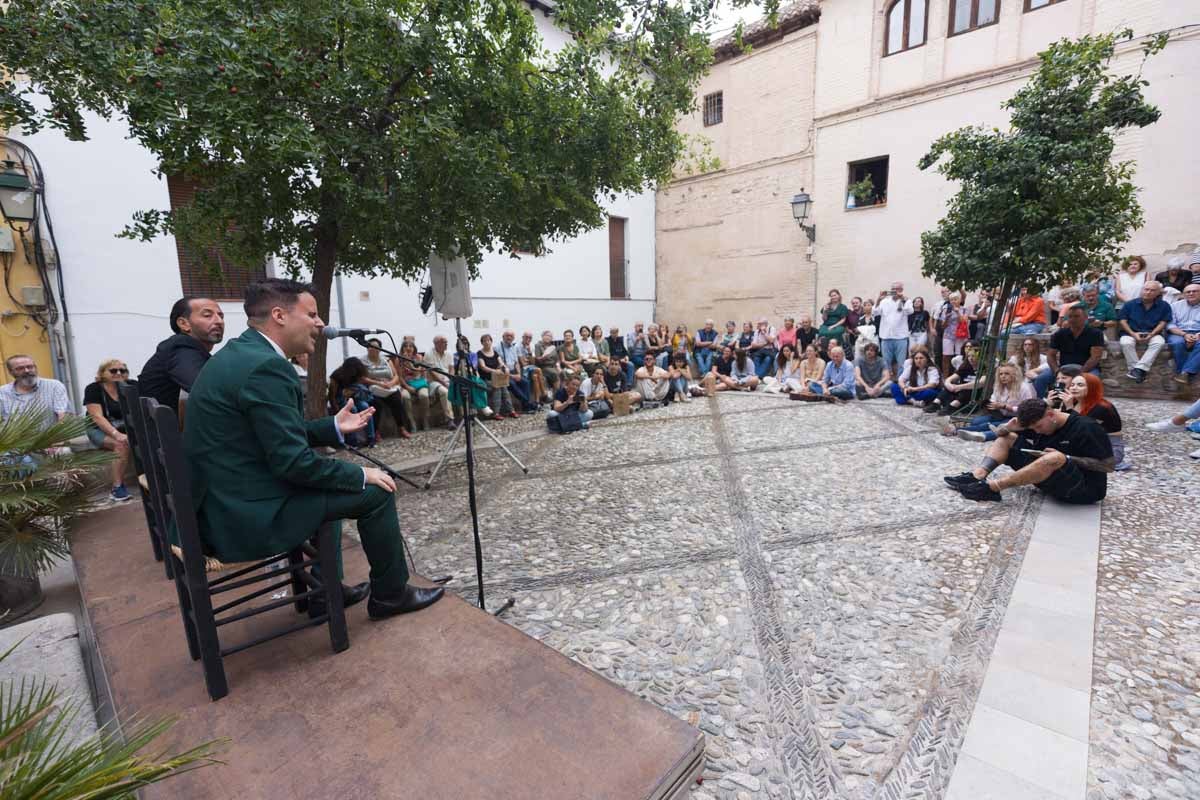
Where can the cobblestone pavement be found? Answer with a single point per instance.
(793, 579)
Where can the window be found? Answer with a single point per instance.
(197, 278)
(616, 259)
(906, 20)
(1033, 5)
(867, 183)
(714, 109)
(967, 15)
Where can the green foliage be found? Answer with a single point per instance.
(863, 191)
(40, 491)
(1043, 200)
(39, 762)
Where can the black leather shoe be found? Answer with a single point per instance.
(980, 492)
(351, 595)
(411, 599)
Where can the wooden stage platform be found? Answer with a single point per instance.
(446, 703)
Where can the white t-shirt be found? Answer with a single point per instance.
(1130, 285)
(587, 350)
(893, 318)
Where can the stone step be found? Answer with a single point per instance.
(48, 648)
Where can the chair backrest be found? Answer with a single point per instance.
(129, 399)
(172, 488)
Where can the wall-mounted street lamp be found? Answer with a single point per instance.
(18, 201)
(801, 204)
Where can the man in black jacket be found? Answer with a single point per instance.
(197, 324)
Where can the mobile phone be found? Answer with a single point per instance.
(1033, 452)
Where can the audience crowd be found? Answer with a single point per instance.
(889, 347)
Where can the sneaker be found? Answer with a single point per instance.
(931, 408)
(1195, 454)
(1124, 466)
(1183, 378)
(1165, 426)
(1140, 374)
(961, 479)
(119, 494)
(979, 491)
(971, 436)
(1193, 426)
(1132, 374)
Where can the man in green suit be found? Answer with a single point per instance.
(258, 486)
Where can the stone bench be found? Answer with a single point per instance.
(48, 648)
(1159, 384)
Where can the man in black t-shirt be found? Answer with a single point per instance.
(1077, 343)
(1066, 455)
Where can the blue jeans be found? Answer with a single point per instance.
(764, 362)
(815, 387)
(630, 370)
(1028, 327)
(894, 351)
(980, 424)
(925, 395)
(704, 359)
(1184, 362)
(1041, 384)
(679, 386)
(520, 390)
(841, 392)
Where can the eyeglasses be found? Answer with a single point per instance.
(118, 371)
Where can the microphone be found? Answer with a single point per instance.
(333, 332)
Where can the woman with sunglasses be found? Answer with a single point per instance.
(103, 406)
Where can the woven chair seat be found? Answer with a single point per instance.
(212, 564)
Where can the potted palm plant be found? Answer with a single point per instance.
(42, 485)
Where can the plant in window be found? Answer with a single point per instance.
(863, 191)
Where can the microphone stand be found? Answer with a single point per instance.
(463, 387)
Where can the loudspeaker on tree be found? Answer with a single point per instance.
(451, 289)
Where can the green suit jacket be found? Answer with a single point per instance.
(258, 487)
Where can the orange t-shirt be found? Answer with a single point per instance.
(1029, 308)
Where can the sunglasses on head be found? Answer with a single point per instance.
(118, 371)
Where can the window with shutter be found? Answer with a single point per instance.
(198, 278)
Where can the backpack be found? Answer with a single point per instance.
(567, 421)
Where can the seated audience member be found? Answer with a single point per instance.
(787, 335)
(653, 382)
(1189, 420)
(587, 350)
(833, 318)
(489, 364)
(545, 356)
(1143, 322)
(838, 380)
(1074, 343)
(727, 339)
(682, 343)
(440, 358)
(1029, 314)
(704, 347)
(920, 325)
(1034, 366)
(956, 330)
(1084, 394)
(383, 379)
(414, 388)
(1100, 313)
(852, 320)
(570, 361)
(720, 377)
(568, 395)
(1007, 394)
(919, 381)
(871, 377)
(617, 351)
(867, 330)
(745, 338)
(812, 368)
(660, 344)
(1183, 334)
(763, 349)
(28, 391)
(595, 390)
(806, 334)
(637, 343)
(1131, 279)
(1175, 277)
(616, 383)
(518, 385)
(602, 351)
(102, 404)
(678, 372)
(789, 369)
(979, 313)
(197, 325)
(348, 382)
(538, 391)
(1066, 455)
(742, 372)
(958, 386)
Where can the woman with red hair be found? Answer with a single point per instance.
(1085, 395)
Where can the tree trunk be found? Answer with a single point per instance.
(322, 282)
(995, 347)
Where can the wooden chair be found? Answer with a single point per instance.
(135, 428)
(171, 494)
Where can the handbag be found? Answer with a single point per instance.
(963, 330)
(499, 380)
(600, 408)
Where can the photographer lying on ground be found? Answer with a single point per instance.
(1064, 454)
